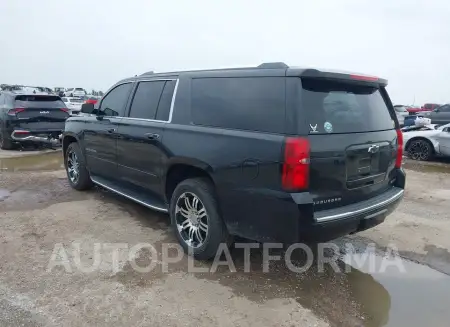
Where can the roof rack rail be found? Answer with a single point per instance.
(273, 65)
(148, 73)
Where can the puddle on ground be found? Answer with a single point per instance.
(427, 167)
(4, 194)
(39, 162)
(373, 293)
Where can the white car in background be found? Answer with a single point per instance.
(401, 113)
(423, 142)
(75, 92)
(73, 104)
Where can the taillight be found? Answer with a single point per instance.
(398, 160)
(295, 174)
(64, 109)
(15, 111)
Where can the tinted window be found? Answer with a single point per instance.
(445, 108)
(114, 102)
(166, 101)
(256, 104)
(428, 106)
(39, 101)
(338, 107)
(146, 99)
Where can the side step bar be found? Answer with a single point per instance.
(130, 194)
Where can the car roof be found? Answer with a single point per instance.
(265, 69)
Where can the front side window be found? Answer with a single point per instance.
(246, 103)
(146, 99)
(113, 104)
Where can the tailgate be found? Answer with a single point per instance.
(40, 112)
(352, 138)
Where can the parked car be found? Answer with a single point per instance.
(413, 110)
(440, 115)
(269, 153)
(401, 113)
(30, 118)
(75, 92)
(424, 142)
(92, 99)
(59, 91)
(73, 104)
(430, 106)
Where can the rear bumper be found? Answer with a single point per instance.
(268, 216)
(41, 137)
(331, 224)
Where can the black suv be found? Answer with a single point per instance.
(30, 119)
(269, 153)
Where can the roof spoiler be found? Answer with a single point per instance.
(355, 77)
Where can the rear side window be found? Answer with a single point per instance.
(146, 99)
(339, 107)
(247, 103)
(165, 101)
(39, 101)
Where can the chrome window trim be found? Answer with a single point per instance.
(172, 104)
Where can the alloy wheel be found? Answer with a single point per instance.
(191, 219)
(73, 166)
(419, 150)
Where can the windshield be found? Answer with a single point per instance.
(340, 107)
(400, 109)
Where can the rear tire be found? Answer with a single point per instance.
(76, 170)
(420, 149)
(202, 233)
(5, 142)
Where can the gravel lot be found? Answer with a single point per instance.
(39, 211)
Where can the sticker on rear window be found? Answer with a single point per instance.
(328, 127)
(313, 128)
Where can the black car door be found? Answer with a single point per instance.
(140, 151)
(100, 133)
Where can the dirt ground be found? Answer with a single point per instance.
(40, 215)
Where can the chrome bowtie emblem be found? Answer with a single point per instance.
(373, 149)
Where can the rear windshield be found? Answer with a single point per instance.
(39, 101)
(339, 107)
(76, 100)
(79, 89)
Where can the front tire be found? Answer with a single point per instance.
(75, 164)
(420, 150)
(196, 219)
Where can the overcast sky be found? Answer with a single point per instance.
(92, 44)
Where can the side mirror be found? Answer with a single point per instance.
(87, 108)
(436, 110)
